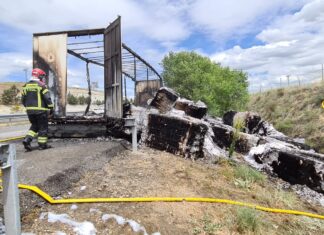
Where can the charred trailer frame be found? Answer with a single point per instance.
(118, 60)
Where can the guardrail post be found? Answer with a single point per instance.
(130, 122)
(10, 189)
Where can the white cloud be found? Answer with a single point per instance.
(293, 46)
(223, 20)
(158, 20)
(13, 63)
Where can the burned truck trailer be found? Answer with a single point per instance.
(120, 63)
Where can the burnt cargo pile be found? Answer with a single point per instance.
(182, 127)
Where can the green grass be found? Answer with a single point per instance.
(284, 126)
(246, 176)
(238, 125)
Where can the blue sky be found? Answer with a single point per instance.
(266, 39)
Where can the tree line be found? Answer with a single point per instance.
(81, 100)
(11, 96)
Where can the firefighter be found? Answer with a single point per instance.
(37, 101)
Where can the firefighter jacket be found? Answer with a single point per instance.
(36, 98)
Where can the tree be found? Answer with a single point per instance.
(10, 96)
(198, 78)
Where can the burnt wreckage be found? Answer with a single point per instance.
(165, 121)
(182, 127)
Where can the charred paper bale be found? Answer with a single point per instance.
(196, 110)
(292, 141)
(250, 120)
(224, 136)
(228, 117)
(182, 104)
(176, 135)
(253, 124)
(293, 165)
(164, 99)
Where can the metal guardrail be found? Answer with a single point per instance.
(22, 117)
(13, 117)
(10, 194)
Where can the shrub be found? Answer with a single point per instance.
(318, 97)
(81, 100)
(10, 96)
(247, 219)
(72, 100)
(99, 102)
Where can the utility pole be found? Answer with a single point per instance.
(322, 73)
(125, 88)
(298, 80)
(288, 79)
(26, 71)
(280, 81)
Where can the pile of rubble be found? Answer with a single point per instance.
(182, 127)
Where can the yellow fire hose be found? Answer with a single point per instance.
(50, 200)
(12, 138)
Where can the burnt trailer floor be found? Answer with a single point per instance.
(77, 127)
(88, 127)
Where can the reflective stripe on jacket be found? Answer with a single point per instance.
(36, 97)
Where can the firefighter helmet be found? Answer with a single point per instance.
(38, 73)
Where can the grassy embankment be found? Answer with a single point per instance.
(295, 111)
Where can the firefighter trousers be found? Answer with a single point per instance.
(39, 125)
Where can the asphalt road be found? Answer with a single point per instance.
(55, 170)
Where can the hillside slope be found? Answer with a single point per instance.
(295, 111)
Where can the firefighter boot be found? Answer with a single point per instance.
(44, 146)
(26, 142)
